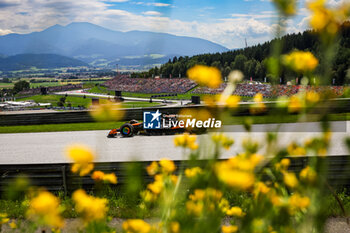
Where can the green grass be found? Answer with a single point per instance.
(6, 85)
(138, 104)
(54, 99)
(60, 127)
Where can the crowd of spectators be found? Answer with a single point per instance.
(150, 85)
(268, 90)
(37, 90)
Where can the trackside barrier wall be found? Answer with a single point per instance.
(57, 177)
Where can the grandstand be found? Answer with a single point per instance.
(268, 90)
(184, 85)
(148, 85)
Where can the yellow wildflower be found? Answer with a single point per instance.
(295, 150)
(312, 97)
(91, 208)
(107, 111)
(101, 176)
(193, 172)
(148, 196)
(174, 227)
(232, 101)
(111, 178)
(327, 20)
(300, 61)
(152, 169)
(260, 187)
(3, 218)
(13, 225)
(224, 205)
(229, 229)
(45, 208)
(136, 226)
(235, 211)
(82, 157)
(223, 140)
(258, 106)
(283, 164)
(156, 187)
(290, 179)
(167, 166)
(205, 76)
(198, 194)
(295, 104)
(298, 202)
(194, 208)
(308, 174)
(186, 141)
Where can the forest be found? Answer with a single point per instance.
(252, 60)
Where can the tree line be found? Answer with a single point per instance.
(252, 60)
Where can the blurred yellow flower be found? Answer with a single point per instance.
(260, 187)
(290, 179)
(286, 7)
(193, 172)
(283, 164)
(229, 229)
(156, 187)
(198, 195)
(300, 61)
(205, 76)
(232, 101)
(107, 111)
(167, 165)
(224, 205)
(136, 226)
(222, 140)
(3, 218)
(82, 157)
(152, 169)
(101, 176)
(295, 104)
(186, 141)
(312, 97)
(174, 227)
(13, 225)
(295, 150)
(194, 208)
(308, 175)
(45, 209)
(298, 202)
(148, 196)
(89, 207)
(235, 211)
(258, 106)
(327, 20)
(238, 171)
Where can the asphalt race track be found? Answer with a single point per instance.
(36, 148)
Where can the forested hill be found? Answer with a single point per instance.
(251, 60)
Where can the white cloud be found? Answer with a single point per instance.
(152, 13)
(5, 32)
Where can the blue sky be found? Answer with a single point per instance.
(225, 22)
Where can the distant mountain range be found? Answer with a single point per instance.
(99, 46)
(40, 61)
